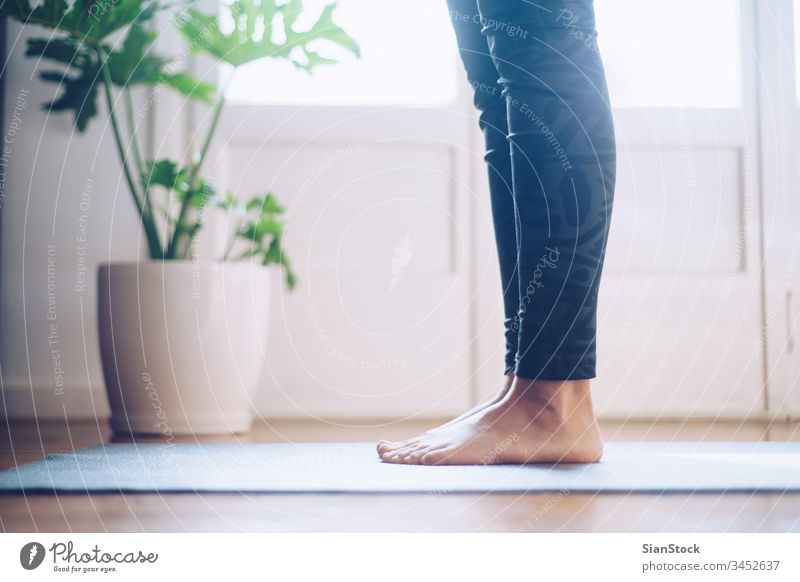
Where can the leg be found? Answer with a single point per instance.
(563, 164)
(491, 105)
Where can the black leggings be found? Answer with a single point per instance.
(540, 89)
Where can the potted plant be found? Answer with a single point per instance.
(181, 339)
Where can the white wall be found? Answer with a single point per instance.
(60, 186)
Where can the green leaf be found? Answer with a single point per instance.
(312, 60)
(78, 93)
(164, 173)
(270, 205)
(89, 20)
(133, 64)
(78, 82)
(50, 11)
(202, 32)
(291, 12)
(80, 18)
(325, 28)
(267, 204)
(252, 36)
(205, 192)
(98, 19)
(63, 50)
(255, 231)
(228, 202)
(17, 9)
(291, 278)
(275, 255)
(274, 252)
(262, 231)
(188, 86)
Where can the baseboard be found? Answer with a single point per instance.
(18, 402)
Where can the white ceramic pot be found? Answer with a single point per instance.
(182, 344)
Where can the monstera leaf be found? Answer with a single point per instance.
(82, 57)
(79, 83)
(88, 20)
(136, 64)
(253, 35)
(133, 64)
(188, 86)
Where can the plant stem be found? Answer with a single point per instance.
(172, 249)
(229, 246)
(137, 156)
(151, 233)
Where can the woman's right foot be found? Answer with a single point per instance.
(538, 421)
(386, 446)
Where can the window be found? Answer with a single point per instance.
(409, 57)
(680, 53)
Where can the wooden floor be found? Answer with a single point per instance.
(22, 442)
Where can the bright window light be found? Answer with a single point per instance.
(408, 57)
(681, 53)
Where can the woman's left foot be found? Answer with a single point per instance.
(541, 421)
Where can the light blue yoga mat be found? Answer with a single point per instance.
(645, 467)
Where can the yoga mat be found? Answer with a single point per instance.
(646, 467)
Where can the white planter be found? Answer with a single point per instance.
(182, 344)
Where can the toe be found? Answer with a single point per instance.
(403, 452)
(386, 446)
(412, 452)
(438, 457)
(413, 458)
(396, 446)
(416, 456)
(391, 457)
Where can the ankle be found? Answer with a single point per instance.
(510, 377)
(562, 398)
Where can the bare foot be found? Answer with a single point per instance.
(384, 446)
(542, 421)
